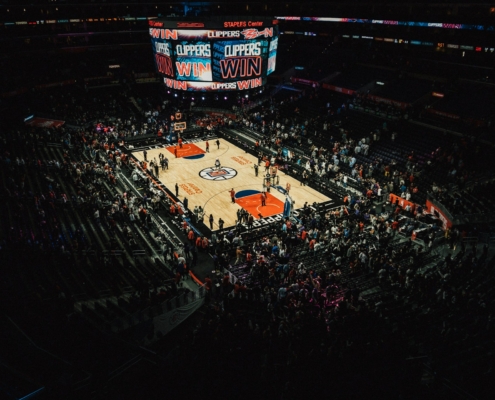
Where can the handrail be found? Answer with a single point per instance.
(88, 375)
(124, 367)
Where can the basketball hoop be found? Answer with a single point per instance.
(180, 127)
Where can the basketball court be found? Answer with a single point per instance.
(207, 185)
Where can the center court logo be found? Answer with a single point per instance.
(218, 174)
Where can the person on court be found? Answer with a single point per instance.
(180, 142)
(232, 195)
(287, 187)
(217, 163)
(218, 144)
(145, 154)
(207, 146)
(273, 172)
(263, 199)
(256, 169)
(176, 190)
(175, 151)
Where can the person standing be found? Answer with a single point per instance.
(157, 171)
(175, 151)
(211, 221)
(176, 190)
(191, 237)
(220, 223)
(145, 154)
(199, 242)
(205, 243)
(239, 255)
(208, 285)
(180, 142)
(232, 195)
(263, 199)
(273, 172)
(287, 187)
(250, 222)
(207, 146)
(218, 144)
(395, 227)
(256, 169)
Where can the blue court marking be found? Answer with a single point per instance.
(195, 157)
(246, 193)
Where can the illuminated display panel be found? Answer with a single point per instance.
(218, 55)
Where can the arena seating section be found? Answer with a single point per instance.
(85, 286)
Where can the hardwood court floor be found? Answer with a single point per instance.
(212, 193)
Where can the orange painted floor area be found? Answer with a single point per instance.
(188, 149)
(252, 204)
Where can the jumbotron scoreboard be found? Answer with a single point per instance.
(225, 54)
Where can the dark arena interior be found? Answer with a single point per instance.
(130, 268)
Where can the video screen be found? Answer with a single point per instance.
(220, 59)
(193, 61)
(272, 56)
(240, 59)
